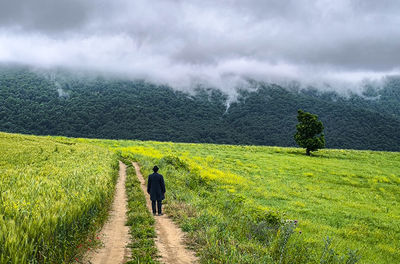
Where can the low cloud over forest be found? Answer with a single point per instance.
(216, 43)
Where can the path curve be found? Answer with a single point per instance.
(114, 234)
(170, 238)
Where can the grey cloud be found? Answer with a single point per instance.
(44, 15)
(214, 42)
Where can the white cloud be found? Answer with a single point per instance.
(214, 42)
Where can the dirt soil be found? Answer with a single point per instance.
(115, 234)
(170, 238)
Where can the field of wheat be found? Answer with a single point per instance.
(53, 192)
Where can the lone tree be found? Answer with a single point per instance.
(309, 133)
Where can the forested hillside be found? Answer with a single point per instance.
(63, 104)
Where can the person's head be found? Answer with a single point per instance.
(155, 168)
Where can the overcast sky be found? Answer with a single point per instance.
(219, 42)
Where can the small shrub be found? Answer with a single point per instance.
(175, 162)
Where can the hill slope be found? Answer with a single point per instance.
(105, 108)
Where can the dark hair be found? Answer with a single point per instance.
(155, 168)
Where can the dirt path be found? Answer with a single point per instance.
(115, 234)
(169, 239)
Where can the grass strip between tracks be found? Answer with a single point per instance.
(140, 220)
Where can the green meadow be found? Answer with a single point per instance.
(352, 197)
(238, 204)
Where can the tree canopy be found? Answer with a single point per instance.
(309, 133)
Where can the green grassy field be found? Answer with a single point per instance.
(239, 204)
(54, 193)
(350, 196)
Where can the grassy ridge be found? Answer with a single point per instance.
(54, 192)
(349, 196)
(140, 220)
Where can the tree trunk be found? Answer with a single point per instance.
(308, 152)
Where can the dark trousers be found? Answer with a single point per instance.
(153, 206)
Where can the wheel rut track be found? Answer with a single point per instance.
(114, 234)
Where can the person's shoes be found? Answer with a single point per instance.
(161, 214)
(154, 214)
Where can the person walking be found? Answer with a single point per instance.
(156, 189)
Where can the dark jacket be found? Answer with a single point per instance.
(156, 187)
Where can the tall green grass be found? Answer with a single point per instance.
(54, 191)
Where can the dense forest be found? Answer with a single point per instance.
(97, 107)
